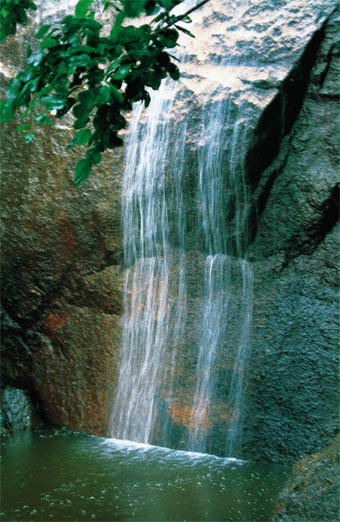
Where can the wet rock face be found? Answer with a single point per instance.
(293, 395)
(312, 490)
(18, 411)
(285, 95)
(61, 280)
(62, 246)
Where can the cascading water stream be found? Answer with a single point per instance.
(221, 179)
(156, 291)
(215, 311)
(147, 300)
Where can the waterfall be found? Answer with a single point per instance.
(147, 294)
(176, 332)
(221, 175)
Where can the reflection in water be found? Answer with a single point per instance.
(62, 475)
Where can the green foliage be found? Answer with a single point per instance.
(97, 76)
(13, 12)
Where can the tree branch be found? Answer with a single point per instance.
(187, 13)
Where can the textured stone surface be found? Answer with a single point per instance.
(312, 491)
(279, 96)
(61, 281)
(293, 382)
(17, 411)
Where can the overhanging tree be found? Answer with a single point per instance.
(95, 73)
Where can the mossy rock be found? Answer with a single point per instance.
(312, 491)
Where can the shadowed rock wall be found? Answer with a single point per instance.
(293, 381)
(61, 273)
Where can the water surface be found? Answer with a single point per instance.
(59, 475)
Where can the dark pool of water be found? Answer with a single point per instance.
(59, 475)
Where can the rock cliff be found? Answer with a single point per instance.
(62, 246)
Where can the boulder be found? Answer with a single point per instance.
(312, 490)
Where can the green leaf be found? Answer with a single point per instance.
(53, 102)
(42, 31)
(23, 127)
(43, 119)
(82, 172)
(48, 43)
(81, 122)
(93, 156)
(184, 30)
(168, 37)
(112, 66)
(150, 7)
(14, 88)
(79, 110)
(27, 75)
(82, 48)
(133, 8)
(104, 95)
(35, 59)
(6, 110)
(29, 88)
(173, 71)
(146, 98)
(152, 79)
(117, 94)
(82, 8)
(79, 60)
(82, 137)
(122, 71)
(116, 27)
